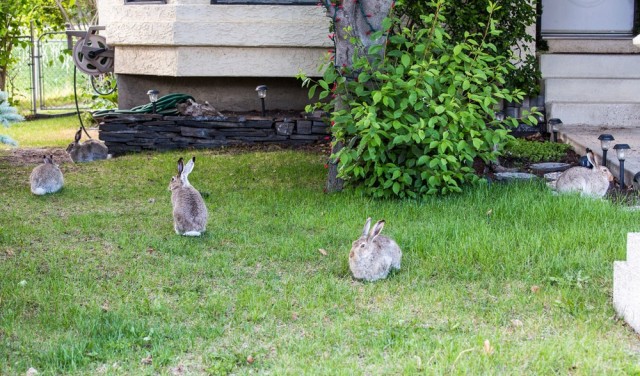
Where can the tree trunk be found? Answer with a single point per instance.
(3, 79)
(334, 183)
(359, 19)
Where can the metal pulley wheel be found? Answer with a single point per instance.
(92, 55)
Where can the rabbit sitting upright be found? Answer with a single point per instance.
(189, 211)
(373, 255)
(46, 178)
(588, 182)
(90, 150)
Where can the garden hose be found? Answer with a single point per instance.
(165, 105)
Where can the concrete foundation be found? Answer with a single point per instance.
(223, 93)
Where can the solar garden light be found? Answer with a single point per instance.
(262, 94)
(620, 152)
(153, 98)
(605, 143)
(555, 126)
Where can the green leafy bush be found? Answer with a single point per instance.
(513, 42)
(535, 151)
(414, 119)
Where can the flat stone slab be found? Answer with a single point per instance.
(550, 166)
(514, 176)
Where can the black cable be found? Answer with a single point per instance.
(75, 96)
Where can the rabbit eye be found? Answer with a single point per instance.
(362, 245)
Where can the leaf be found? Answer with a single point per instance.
(377, 96)
(386, 23)
(487, 348)
(312, 91)
(322, 251)
(406, 60)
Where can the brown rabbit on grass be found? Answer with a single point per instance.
(90, 150)
(46, 178)
(588, 182)
(373, 255)
(189, 211)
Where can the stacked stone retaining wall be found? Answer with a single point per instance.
(134, 133)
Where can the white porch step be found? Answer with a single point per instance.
(607, 90)
(590, 66)
(592, 89)
(626, 283)
(595, 114)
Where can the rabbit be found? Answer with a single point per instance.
(90, 150)
(592, 182)
(46, 178)
(189, 211)
(372, 256)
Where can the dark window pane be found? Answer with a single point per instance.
(267, 2)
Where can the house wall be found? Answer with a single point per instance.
(214, 52)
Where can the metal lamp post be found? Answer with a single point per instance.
(153, 98)
(555, 126)
(262, 94)
(605, 143)
(620, 153)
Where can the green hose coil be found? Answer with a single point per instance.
(165, 105)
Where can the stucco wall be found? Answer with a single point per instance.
(191, 38)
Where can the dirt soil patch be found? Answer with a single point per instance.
(33, 156)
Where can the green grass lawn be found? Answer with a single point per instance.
(95, 281)
(51, 132)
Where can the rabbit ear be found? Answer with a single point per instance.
(45, 159)
(591, 158)
(78, 135)
(367, 225)
(184, 176)
(377, 228)
(180, 166)
(189, 167)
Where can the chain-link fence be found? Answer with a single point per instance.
(20, 84)
(42, 81)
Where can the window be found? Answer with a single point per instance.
(267, 2)
(145, 1)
